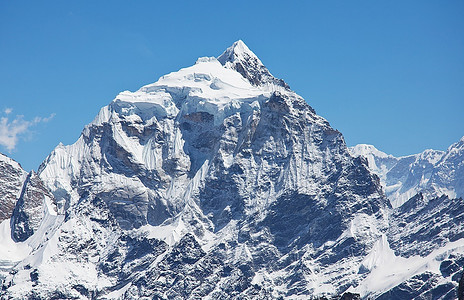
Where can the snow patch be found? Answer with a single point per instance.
(11, 252)
(388, 270)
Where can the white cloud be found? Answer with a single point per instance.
(11, 131)
(42, 119)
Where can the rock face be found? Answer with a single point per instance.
(426, 227)
(219, 182)
(431, 172)
(423, 286)
(12, 177)
(461, 288)
(27, 207)
(429, 232)
(239, 58)
(431, 224)
(30, 208)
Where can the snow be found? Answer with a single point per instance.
(118, 294)
(9, 161)
(62, 165)
(170, 233)
(367, 150)
(242, 254)
(11, 252)
(206, 86)
(431, 172)
(361, 226)
(207, 78)
(238, 51)
(380, 254)
(388, 270)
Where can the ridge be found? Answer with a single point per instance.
(241, 59)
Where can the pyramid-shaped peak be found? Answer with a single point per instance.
(241, 59)
(240, 45)
(238, 51)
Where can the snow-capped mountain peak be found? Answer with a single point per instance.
(217, 182)
(432, 172)
(365, 149)
(238, 51)
(379, 162)
(219, 156)
(241, 59)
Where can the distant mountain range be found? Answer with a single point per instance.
(220, 182)
(431, 172)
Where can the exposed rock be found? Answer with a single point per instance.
(31, 208)
(432, 172)
(12, 177)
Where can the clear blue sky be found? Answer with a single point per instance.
(388, 73)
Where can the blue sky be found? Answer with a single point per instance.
(388, 73)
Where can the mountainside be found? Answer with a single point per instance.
(28, 208)
(421, 255)
(218, 181)
(12, 177)
(431, 172)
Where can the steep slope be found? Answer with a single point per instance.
(422, 254)
(30, 210)
(34, 203)
(12, 177)
(378, 162)
(449, 175)
(215, 181)
(239, 58)
(431, 172)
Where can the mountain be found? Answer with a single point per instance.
(421, 255)
(431, 172)
(27, 208)
(217, 181)
(12, 177)
(426, 228)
